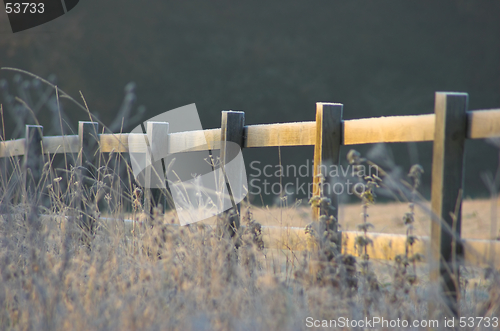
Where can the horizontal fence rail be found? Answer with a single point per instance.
(477, 252)
(481, 124)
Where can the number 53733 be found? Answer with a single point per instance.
(24, 7)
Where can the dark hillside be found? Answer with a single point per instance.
(272, 59)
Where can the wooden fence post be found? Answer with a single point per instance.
(89, 142)
(446, 194)
(88, 136)
(157, 133)
(3, 163)
(326, 154)
(232, 131)
(33, 162)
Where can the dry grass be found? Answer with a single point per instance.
(388, 218)
(59, 273)
(186, 278)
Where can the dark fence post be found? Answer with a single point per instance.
(157, 134)
(446, 194)
(3, 163)
(88, 134)
(232, 131)
(33, 163)
(327, 154)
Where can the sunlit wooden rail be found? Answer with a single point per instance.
(481, 123)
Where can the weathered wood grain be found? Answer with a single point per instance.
(88, 160)
(232, 141)
(389, 129)
(13, 147)
(88, 137)
(33, 161)
(326, 154)
(119, 142)
(446, 192)
(483, 123)
(61, 144)
(200, 140)
(157, 133)
(282, 134)
(158, 136)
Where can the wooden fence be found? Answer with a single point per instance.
(448, 128)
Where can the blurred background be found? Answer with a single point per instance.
(272, 59)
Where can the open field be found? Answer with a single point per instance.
(189, 278)
(388, 218)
